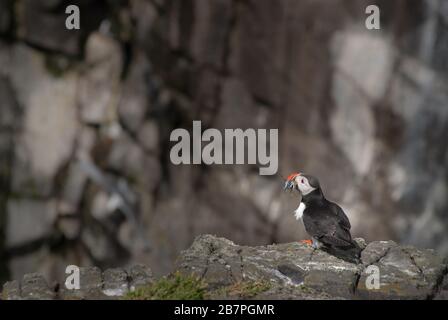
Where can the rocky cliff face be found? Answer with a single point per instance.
(85, 175)
(281, 271)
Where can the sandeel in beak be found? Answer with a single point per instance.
(290, 182)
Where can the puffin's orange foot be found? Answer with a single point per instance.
(308, 242)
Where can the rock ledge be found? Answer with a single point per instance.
(291, 270)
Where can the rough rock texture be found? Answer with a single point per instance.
(86, 115)
(287, 271)
(94, 284)
(297, 271)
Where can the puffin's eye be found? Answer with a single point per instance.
(303, 181)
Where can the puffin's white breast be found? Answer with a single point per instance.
(299, 211)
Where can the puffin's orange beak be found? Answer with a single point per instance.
(292, 176)
(289, 183)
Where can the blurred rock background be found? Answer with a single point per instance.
(85, 119)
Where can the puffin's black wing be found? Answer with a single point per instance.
(343, 220)
(329, 224)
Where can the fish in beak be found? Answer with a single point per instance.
(290, 182)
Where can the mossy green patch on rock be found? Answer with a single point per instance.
(304, 288)
(246, 288)
(174, 287)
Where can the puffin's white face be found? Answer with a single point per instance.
(303, 185)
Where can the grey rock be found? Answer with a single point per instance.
(48, 100)
(296, 271)
(336, 284)
(328, 274)
(130, 158)
(35, 287)
(361, 243)
(134, 101)
(287, 265)
(9, 108)
(281, 271)
(98, 244)
(86, 141)
(69, 225)
(195, 259)
(94, 285)
(115, 282)
(100, 205)
(342, 120)
(294, 293)
(148, 136)
(73, 187)
(296, 274)
(208, 43)
(11, 290)
(375, 251)
(91, 285)
(236, 98)
(443, 293)
(372, 78)
(378, 122)
(405, 273)
(69, 220)
(140, 276)
(144, 13)
(99, 90)
(126, 156)
(29, 220)
(19, 265)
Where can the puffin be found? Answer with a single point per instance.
(325, 221)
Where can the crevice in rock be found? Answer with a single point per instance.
(437, 286)
(56, 291)
(241, 262)
(363, 267)
(414, 263)
(211, 250)
(362, 250)
(356, 279)
(377, 260)
(230, 272)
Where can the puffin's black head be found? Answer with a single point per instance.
(302, 182)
